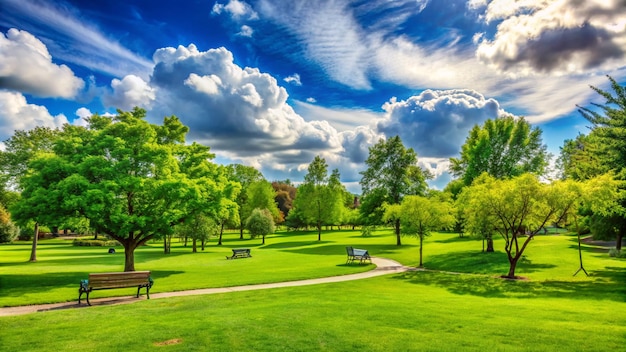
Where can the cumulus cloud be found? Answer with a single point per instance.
(436, 123)
(26, 66)
(555, 37)
(238, 109)
(236, 9)
(17, 114)
(129, 92)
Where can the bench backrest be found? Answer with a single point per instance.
(125, 279)
(360, 252)
(241, 250)
(350, 251)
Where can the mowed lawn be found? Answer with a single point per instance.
(461, 305)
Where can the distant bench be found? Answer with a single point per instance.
(355, 254)
(103, 281)
(240, 253)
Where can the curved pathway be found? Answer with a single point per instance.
(383, 267)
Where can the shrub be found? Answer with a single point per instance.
(367, 230)
(8, 232)
(95, 243)
(614, 252)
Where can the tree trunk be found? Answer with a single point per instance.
(618, 241)
(421, 245)
(33, 251)
(166, 249)
(241, 232)
(489, 244)
(202, 245)
(512, 265)
(263, 242)
(219, 242)
(129, 256)
(397, 227)
(319, 231)
(194, 245)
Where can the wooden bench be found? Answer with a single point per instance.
(240, 253)
(355, 254)
(103, 281)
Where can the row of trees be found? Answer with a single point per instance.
(137, 181)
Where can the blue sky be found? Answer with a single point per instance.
(272, 83)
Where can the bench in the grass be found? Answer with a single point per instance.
(355, 254)
(103, 281)
(240, 253)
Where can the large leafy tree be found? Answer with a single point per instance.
(261, 195)
(420, 216)
(245, 175)
(133, 180)
(285, 195)
(502, 147)
(391, 173)
(319, 199)
(609, 129)
(260, 223)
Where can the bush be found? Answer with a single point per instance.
(614, 252)
(95, 243)
(8, 232)
(367, 230)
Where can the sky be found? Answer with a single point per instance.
(273, 83)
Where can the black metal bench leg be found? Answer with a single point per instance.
(88, 303)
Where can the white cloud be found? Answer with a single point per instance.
(82, 114)
(235, 8)
(436, 123)
(17, 114)
(26, 66)
(246, 31)
(75, 42)
(555, 37)
(293, 79)
(311, 100)
(342, 119)
(129, 92)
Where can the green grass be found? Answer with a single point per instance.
(468, 310)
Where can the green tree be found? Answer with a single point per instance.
(126, 176)
(285, 195)
(518, 209)
(245, 175)
(318, 198)
(579, 158)
(260, 223)
(198, 228)
(609, 127)
(503, 147)
(261, 195)
(391, 173)
(420, 216)
(8, 231)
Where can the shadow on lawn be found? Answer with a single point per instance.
(602, 285)
(480, 262)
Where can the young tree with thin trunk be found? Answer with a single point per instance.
(420, 216)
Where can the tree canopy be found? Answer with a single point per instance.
(391, 173)
(132, 179)
(502, 147)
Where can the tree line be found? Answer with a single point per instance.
(135, 181)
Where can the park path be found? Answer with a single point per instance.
(383, 267)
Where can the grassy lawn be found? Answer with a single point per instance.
(414, 311)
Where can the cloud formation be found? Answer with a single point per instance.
(17, 114)
(26, 66)
(129, 92)
(555, 37)
(436, 123)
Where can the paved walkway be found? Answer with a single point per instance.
(383, 267)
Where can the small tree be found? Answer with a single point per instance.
(199, 228)
(420, 216)
(260, 223)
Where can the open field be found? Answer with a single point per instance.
(414, 311)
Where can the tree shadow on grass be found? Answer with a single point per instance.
(602, 285)
(480, 262)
